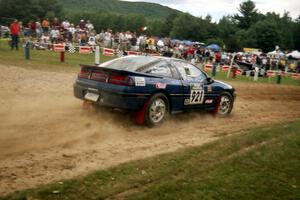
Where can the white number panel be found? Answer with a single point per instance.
(197, 96)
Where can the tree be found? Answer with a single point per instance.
(227, 29)
(296, 32)
(249, 15)
(286, 31)
(25, 10)
(266, 35)
(184, 27)
(157, 28)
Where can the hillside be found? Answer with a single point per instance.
(150, 10)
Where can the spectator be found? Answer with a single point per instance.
(100, 37)
(38, 29)
(123, 41)
(55, 24)
(66, 24)
(108, 38)
(54, 34)
(32, 26)
(72, 31)
(190, 52)
(133, 42)
(21, 28)
(89, 26)
(142, 41)
(82, 24)
(83, 39)
(160, 45)
(45, 25)
(128, 36)
(92, 40)
(264, 63)
(15, 32)
(151, 44)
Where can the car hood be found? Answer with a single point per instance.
(225, 85)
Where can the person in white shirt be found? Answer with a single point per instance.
(128, 36)
(107, 39)
(89, 25)
(66, 24)
(142, 41)
(38, 29)
(54, 34)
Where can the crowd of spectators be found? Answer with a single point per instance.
(44, 33)
(267, 62)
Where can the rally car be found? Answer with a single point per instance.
(153, 87)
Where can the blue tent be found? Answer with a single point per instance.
(214, 47)
(187, 42)
(175, 41)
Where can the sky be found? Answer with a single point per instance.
(219, 8)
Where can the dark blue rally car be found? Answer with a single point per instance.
(153, 87)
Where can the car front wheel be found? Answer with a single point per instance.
(225, 104)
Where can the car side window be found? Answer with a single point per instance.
(189, 71)
(160, 68)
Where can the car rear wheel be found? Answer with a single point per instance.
(225, 104)
(157, 110)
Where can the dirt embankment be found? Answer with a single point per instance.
(45, 136)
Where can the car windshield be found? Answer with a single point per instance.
(130, 63)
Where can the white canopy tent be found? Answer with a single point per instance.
(276, 53)
(294, 54)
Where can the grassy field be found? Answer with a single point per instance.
(261, 163)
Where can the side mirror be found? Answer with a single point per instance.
(210, 80)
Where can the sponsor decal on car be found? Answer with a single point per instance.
(140, 81)
(196, 86)
(209, 101)
(186, 102)
(209, 88)
(161, 85)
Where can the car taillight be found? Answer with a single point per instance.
(99, 76)
(121, 80)
(84, 73)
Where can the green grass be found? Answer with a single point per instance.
(261, 163)
(45, 60)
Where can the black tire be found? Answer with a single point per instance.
(157, 110)
(225, 104)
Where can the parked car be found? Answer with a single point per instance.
(153, 87)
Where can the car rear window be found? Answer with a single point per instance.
(130, 63)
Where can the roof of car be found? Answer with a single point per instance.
(158, 57)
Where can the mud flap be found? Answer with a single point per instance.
(215, 112)
(139, 116)
(87, 105)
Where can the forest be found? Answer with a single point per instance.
(248, 28)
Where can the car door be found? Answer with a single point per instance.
(196, 89)
(168, 81)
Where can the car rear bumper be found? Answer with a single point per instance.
(127, 101)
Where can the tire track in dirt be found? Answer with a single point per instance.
(45, 136)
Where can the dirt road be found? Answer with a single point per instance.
(45, 136)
